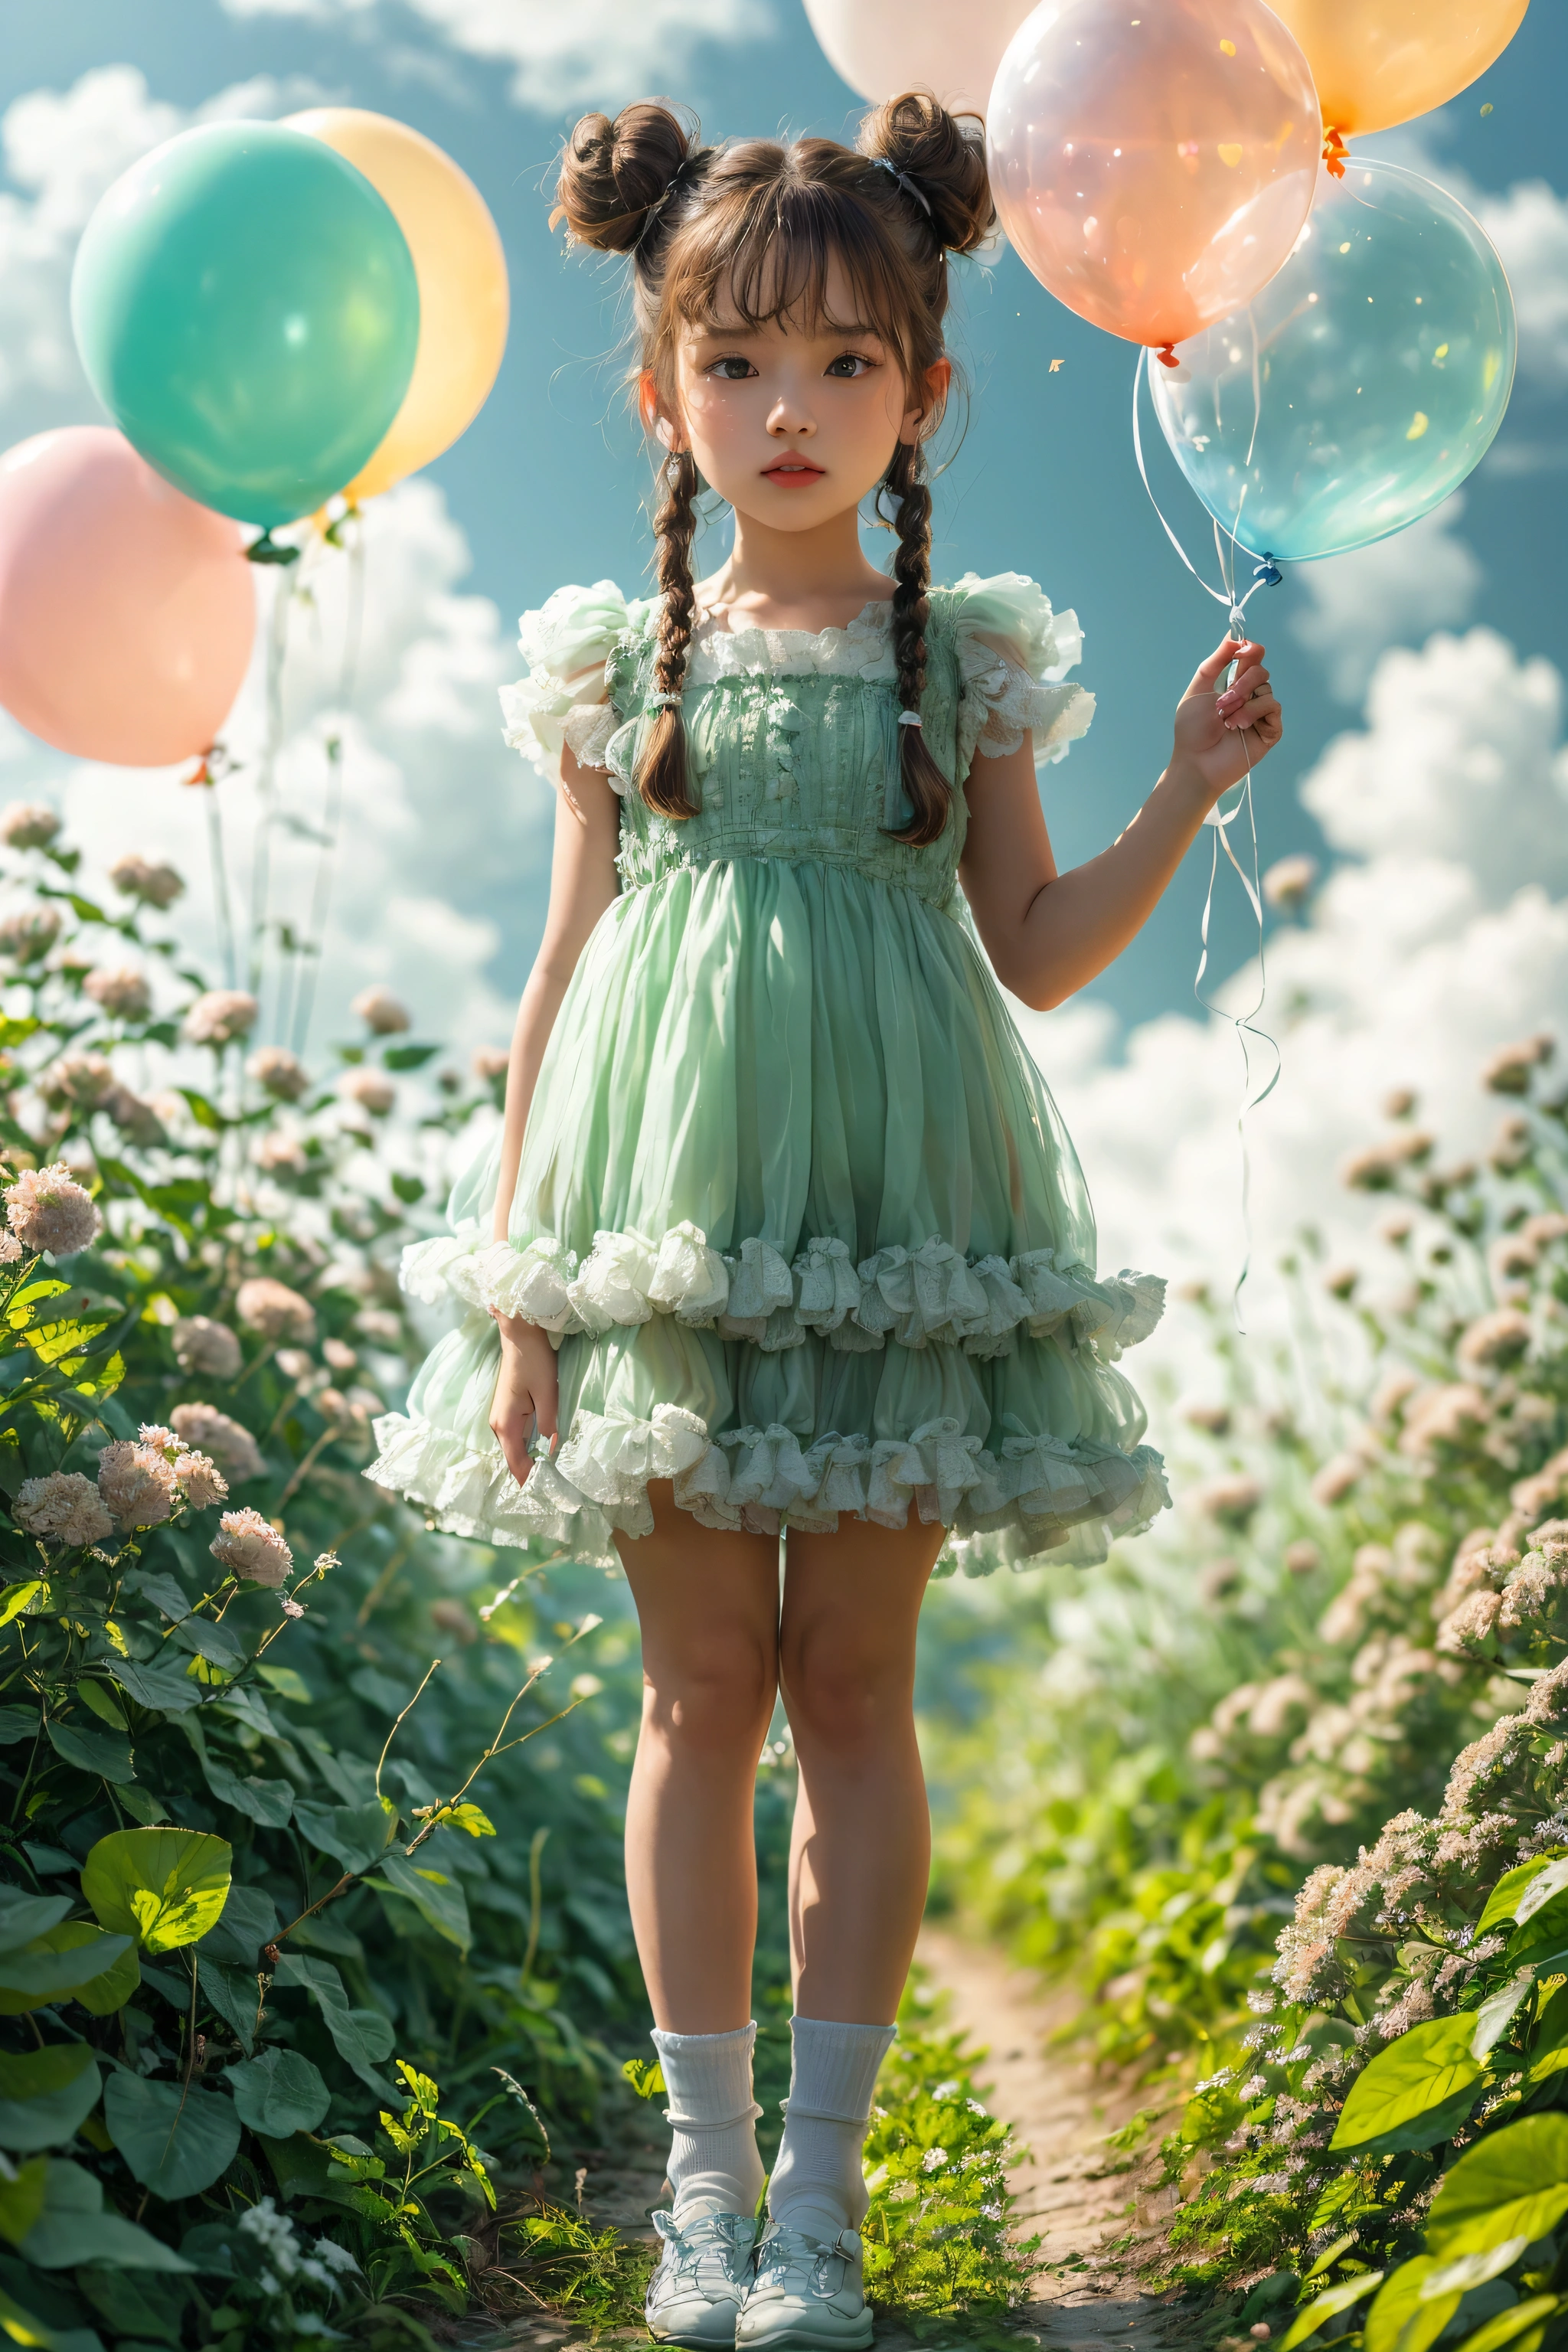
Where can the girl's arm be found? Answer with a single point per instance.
(1050, 934)
(583, 883)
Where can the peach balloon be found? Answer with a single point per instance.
(883, 46)
(126, 611)
(464, 298)
(1379, 62)
(1153, 169)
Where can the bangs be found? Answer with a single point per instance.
(766, 256)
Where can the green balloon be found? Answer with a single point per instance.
(245, 308)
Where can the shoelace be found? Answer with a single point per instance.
(680, 2265)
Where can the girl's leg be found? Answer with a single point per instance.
(860, 1854)
(708, 1602)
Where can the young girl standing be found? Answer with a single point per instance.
(782, 1237)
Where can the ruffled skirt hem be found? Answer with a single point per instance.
(1040, 1497)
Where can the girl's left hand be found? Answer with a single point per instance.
(1222, 736)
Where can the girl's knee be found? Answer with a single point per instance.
(714, 1693)
(844, 1697)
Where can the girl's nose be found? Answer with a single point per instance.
(787, 418)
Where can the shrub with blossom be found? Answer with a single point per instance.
(272, 1308)
(63, 1508)
(28, 824)
(202, 1429)
(278, 1073)
(147, 879)
(120, 990)
(220, 1017)
(202, 1345)
(250, 1546)
(369, 1089)
(49, 1212)
(382, 1014)
(30, 934)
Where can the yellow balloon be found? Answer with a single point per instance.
(463, 293)
(1379, 62)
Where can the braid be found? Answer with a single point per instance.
(662, 777)
(925, 787)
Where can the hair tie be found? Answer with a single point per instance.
(910, 187)
(675, 184)
(910, 718)
(662, 702)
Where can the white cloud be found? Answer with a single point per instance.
(1358, 605)
(586, 52)
(1443, 934)
(1530, 228)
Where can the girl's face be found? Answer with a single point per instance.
(793, 427)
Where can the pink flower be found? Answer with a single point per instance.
(275, 1310)
(380, 1011)
(490, 1062)
(204, 1483)
(369, 1089)
(205, 1347)
(252, 1547)
(136, 1484)
(278, 1073)
(28, 824)
(49, 1212)
(154, 884)
(30, 934)
(220, 1017)
(63, 1508)
(202, 1429)
(120, 990)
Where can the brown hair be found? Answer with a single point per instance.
(755, 226)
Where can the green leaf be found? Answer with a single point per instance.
(102, 1702)
(1401, 2320)
(1541, 1890)
(162, 1591)
(362, 2037)
(279, 2093)
(352, 1834)
(1337, 2298)
(1542, 1937)
(177, 2141)
(1507, 2327)
(164, 1887)
(408, 1189)
(286, 1683)
(73, 2229)
(267, 1803)
(15, 1029)
(409, 1057)
(166, 1687)
(18, 1723)
(17, 1597)
(232, 1992)
(22, 2200)
(1415, 2092)
(45, 2095)
(204, 1113)
(28, 1915)
(1495, 2016)
(212, 1642)
(645, 2077)
(98, 1752)
(249, 1920)
(437, 1896)
(66, 1962)
(1512, 2184)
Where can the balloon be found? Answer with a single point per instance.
(461, 269)
(1382, 356)
(883, 46)
(1378, 62)
(126, 610)
(247, 309)
(1153, 170)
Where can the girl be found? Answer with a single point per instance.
(782, 1237)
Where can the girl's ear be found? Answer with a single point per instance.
(655, 420)
(919, 422)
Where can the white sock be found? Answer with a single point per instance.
(714, 2167)
(818, 2184)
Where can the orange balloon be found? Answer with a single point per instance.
(1153, 170)
(126, 611)
(1379, 62)
(464, 298)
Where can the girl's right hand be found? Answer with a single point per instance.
(526, 1393)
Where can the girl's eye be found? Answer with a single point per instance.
(732, 369)
(849, 364)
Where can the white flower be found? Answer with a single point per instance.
(85, 1079)
(49, 1212)
(380, 1011)
(252, 1546)
(155, 884)
(29, 935)
(205, 1347)
(204, 1483)
(27, 825)
(63, 1508)
(280, 1155)
(219, 1016)
(1495, 1339)
(275, 1310)
(340, 1355)
(136, 1483)
(202, 1429)
(278, 1073)
(933, 2159)
(1231, 1500)
(370, 1089)
(119, 988)
(380, 1325)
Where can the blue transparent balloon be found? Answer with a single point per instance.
(1360, 386)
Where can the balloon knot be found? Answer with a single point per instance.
(201, 773)
(1334, 151)
(265, 550)
(1166, 356)
(1267, 573)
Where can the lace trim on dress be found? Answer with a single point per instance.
(1034, 1494)
(931, 1297)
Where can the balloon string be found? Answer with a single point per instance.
(315, 945)
(1248, 1031)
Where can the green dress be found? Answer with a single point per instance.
(795, 1204)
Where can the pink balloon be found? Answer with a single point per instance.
(1153, 163)
(126, 610)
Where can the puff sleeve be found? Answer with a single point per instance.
(1014, 655)
(565, 698)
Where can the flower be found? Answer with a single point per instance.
(275, 1310)
(136, 1483)
(1442, 1416)
(369, 1089)
(1511, 1256)
(340, 1355)
(27, 825)
(1399, 1102)
(295, 1363)
(380, 1011)
(1213, 1418)
(47, 1211)
(1393, 1392)
(119, 988)
(278, 1073)
(204, 1483)
(1379, 1166)
(154, 884)
(1506, 1072)
(1335, 1479)
(1286, 883)
(1395, 1229)
(219, 1016)
(490, 1062)
(346, 1417)
(1303, 1558)
(1231, 1500)
(292, 1608)
(1495, 1339)
(30, 934)
(137, 1120)
(1551, 1226)
(64, 1508)
(380, 1325)
(202, 1346)
(252, 1546)
(1340, 1281)
(280, 1155)
(85, 1079)
(201, 1428)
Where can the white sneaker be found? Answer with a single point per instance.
(695, 2294)
(803, 2293)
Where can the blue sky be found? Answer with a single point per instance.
(547, 484)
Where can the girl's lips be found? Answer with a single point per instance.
(793, 474)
